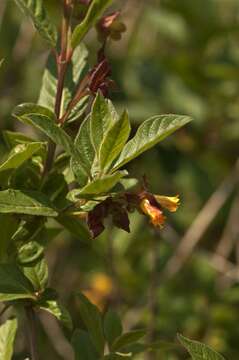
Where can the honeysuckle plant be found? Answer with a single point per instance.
(76, 176)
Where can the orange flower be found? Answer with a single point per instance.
(170, 203)
(154, 213)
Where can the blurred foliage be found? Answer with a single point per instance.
(178, 56)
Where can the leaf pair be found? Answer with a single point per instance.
(102, 142)
(45, 27)
(90, 344)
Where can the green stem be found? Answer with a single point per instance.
(62, 60)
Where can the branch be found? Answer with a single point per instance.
(201, 224)
(32, 333)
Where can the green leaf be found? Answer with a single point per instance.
(28, 230)
(127, 339)
(44, 120)
(13, 284)
(114, 141)
(29, 252)
(99, 186)
(75, 226)
(37, 273)
(74, 73)
(25, 202)
(199, 351)
(7, 337)
(8, 226)
(103, 116)
(96, 9)
(84, 145)
(13, 138)
(93, 322)
(151, 132)
(78, 110)
(112, 327)
(59, 311)
(83, 347)
(39, 16)
(20, 154)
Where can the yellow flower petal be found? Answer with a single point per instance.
(170, 203)
(156, 216)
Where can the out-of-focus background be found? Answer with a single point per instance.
(178, 56)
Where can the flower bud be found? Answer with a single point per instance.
(110, 26)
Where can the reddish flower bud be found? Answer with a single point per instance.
(110, 26)
(99, 78)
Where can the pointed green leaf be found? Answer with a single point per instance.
(59, 311)
(84, 145)
(39, 16)
(25, 202)
(13, 138)
(114, 141)
(151, 132)
(112, 327)
(83, 347)
(13, 284)
(75, 226)
(7, 337)
(103, 116)
(93, 322)
(199, 351)
(127, 339)
(79, 110)
(8, 226)
(20, 154)
(37, 273)
(44, 120)
(100, 186)
(96, 9)
(74, 73)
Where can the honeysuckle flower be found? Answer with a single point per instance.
(153, 212)
(170, 203)
(152, 206)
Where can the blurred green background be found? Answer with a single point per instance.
(178, 56)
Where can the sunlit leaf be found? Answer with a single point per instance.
(59, 311)
(199, 351)
(37, 273)
(101, 185)
(39, 16)
(114, 141)
(25, 202)
(20, 154)
(151, 132)
(96, 9)
(7, 337)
